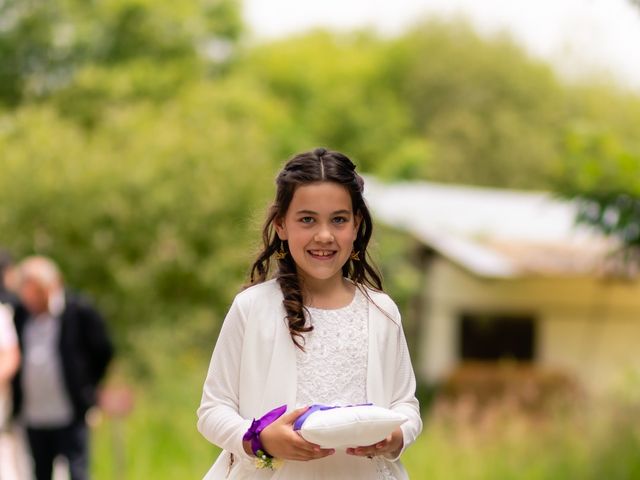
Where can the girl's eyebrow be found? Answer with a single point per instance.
(311, 212)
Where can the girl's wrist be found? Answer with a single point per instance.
(397, 439)
(251, 439)
(246, 445)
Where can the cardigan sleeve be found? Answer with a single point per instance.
(218, 417)
(404, 400)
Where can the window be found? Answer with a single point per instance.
(494, 336)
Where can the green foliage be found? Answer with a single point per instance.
(160, 439)
(487, 109)
(596, 445)
(44, 42)
(330, 85)
(599, 162)
(150, 213)
(603, 174)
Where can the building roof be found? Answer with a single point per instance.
(492, 232)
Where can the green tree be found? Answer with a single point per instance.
(488, 110)
(43, 43)
(599, 164)
(330, 86)
(602, 175)
(155, 223)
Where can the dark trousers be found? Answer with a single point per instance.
(71, 442)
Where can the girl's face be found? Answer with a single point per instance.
(320, 228)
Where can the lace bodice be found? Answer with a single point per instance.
(333, 368)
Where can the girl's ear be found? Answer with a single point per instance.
(278, 224)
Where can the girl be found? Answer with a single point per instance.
(320, 331)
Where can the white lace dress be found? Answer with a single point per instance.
(333, 370)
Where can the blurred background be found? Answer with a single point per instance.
(139, 143)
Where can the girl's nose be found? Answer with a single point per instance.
(324, 235)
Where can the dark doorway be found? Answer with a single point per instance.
(494, 336)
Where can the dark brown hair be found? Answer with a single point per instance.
(319, 165)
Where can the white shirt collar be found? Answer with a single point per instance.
(56, 303)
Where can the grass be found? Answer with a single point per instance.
(588, 446)
(592, 440)
(160, 441)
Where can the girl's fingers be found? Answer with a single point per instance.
(384, 446)
(312, 448)
(300, 445)
(295, 447)
(384, 442)
(308, 449)
(375, 449)
(292, 416)
(320, 454)
(305, 455)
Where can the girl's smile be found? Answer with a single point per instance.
(322, 255)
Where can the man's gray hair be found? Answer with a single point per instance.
(40, 269)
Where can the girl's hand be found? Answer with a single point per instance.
(390, 445)
(281, 441)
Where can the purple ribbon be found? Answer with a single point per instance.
(253, 434)
(317, 407)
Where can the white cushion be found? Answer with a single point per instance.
(353, 426)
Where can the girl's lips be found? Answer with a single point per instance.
(322, 254)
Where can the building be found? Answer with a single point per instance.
(510, 274)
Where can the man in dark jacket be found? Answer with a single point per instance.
(65, 350)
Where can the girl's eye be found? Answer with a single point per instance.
(340, 219)
(306, 219)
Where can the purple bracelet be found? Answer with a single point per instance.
(253, 434)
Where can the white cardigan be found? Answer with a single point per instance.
(253, 370)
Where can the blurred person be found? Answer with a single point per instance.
(9, 354)
(7, 284)
(9, 359)
(66, 350)
(9, 362)
(9, 351)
